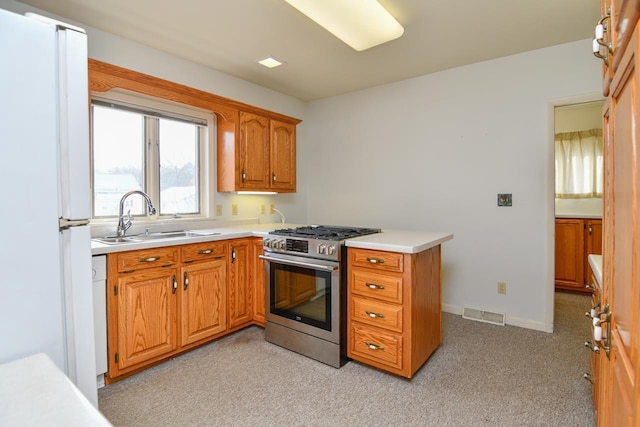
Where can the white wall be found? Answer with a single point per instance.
(431, 153)
(125, 53)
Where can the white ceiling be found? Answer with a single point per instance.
(232, 35)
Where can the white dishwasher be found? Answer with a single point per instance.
(99, 267)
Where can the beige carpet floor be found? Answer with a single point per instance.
(482, 375)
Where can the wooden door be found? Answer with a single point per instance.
(204, 299)
(570, 254)
(253, 155)
(240, 289)
(283, 156)
(147, 309)
(258, 279)
(621, 290)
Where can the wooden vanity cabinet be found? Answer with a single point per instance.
(394, 317)
(261, 157)
(575, 240)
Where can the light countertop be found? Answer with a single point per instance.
(578, 216)
(35, 392)
(405, 241)
(595, 261)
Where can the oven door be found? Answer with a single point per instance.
(303, 294)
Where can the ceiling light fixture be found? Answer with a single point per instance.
(270, 62)
(359, 23)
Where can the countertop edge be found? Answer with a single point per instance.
(403, 241)
(595, 261)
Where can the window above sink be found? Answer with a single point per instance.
(155, 146)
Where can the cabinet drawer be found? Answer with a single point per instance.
(379, 260)
(380, 314)
(374, 285)
(147, 258)
(379, 347)
(203, 251)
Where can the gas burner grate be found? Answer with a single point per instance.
(325, 232)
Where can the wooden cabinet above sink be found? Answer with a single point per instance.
(259, 154)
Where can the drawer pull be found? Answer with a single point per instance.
(205, 251)
(150, 259)
(374, 286)
(374, 315)
(373, 346)
(375, 260)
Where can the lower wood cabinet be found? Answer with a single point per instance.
(259, 282)
(576, 238)
(163, 301)
(240, 287)
(203, 295)
(394, 315)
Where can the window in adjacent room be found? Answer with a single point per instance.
(161, 151)
(579, 165)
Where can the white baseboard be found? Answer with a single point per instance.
(509, 320)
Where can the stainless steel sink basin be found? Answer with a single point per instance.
(134, 238)
(160, 235)
(112, 240)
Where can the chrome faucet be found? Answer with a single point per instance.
(123, 225)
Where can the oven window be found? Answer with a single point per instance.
(301, 294)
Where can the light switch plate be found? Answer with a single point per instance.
(504, 199)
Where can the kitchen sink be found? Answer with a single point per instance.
(135, 238)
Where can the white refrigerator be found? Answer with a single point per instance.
(46, 302)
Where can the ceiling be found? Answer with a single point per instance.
(232, 35)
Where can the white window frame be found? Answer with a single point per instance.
(206, 158)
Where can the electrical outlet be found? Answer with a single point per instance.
(262, 209)
(502, 287)
(218, 210)
(234, 209)
(271, 209)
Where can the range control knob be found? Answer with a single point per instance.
(282, 244)
(331, 250)
(266, 243)
(322, 249)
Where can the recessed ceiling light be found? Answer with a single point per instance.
(359, 23)
(270, 62)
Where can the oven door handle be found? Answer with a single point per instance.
(299, 263)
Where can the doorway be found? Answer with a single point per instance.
(577, 193)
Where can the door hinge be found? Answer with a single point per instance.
(116, 357)
(115, 290)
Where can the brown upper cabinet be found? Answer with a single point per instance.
(261, 158)
(256, 147)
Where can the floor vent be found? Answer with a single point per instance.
(483, 316)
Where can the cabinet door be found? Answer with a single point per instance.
(621, 288)
(570, 254)
(240, 290)
(146, 310)
(283, 156)
(204, 312)
(258, 279)
(255, 173)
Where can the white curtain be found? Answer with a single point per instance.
(579, 165)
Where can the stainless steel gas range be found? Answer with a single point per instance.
(306, 290)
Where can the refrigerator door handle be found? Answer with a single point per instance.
(65, 224)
